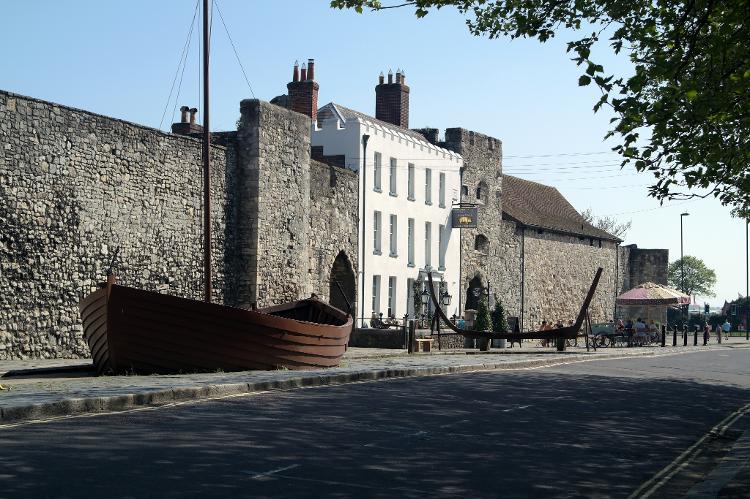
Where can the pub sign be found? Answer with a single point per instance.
(464, 218)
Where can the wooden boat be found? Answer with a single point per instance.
(132, 330)
(567, 332)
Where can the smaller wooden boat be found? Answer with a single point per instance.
(567, 332)
(132, 330)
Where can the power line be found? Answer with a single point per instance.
(553, 155)
(234, 48)
(183, 55)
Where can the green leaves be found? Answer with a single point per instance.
(689, 85)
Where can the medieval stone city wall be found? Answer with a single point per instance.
(334, 222)
(74, 186)
(558, 271)
(273, 148)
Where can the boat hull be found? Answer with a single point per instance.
(132, 330)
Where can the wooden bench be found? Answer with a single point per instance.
(424, 344)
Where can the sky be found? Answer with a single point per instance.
(121, 59)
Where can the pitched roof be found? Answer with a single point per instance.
(332, 108)
(542, 206)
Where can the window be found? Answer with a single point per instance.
(482, 244)
(464, 192)
(411, 182)
(441, 198)
(441, 249)
(410, 297)
(427, 244)
(481, 191)
(376, 294)
(392, 190)
(377, 173)
(391, 296)
(427, 186)
(376, 229)
(394, 233)
(411, 242)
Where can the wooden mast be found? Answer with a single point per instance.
(206, 163)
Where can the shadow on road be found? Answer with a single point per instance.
(512, 434)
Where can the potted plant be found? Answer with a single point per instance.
(499, 323)
(483, 322)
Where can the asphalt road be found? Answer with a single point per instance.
(581, 430)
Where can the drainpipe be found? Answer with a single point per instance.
(617, 278)
(523, 274)
(365, 138)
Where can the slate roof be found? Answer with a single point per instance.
(542, 206)
(326, 111)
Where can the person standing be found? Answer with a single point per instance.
(718, 333)
(726, 327)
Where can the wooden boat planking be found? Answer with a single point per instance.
(567, 332)
(131, 330)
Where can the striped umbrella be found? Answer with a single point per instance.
(650, 293)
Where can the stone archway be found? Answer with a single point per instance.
(473, 293)
(342, 273)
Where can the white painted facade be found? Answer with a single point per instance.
(391, 265)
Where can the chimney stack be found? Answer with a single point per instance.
(311, 69)
(392, 99)
(303, 93)
(187, 125)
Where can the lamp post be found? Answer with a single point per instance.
(682, 258)
(747, 286)
(425, 297)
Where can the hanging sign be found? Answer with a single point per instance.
(464, 218)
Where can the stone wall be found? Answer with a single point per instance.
(648, 265)
(558, 271)
(334, 195)
(482, 157)
(74, 186)
(273, 149)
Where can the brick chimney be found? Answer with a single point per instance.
(392, 99)
(187, 126)
(303, 92)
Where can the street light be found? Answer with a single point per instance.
(682, 257)
(425, 297)
(446, 298)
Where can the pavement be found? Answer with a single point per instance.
(43, 389)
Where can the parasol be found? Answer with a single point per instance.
(650, 293)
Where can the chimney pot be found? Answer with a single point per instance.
(390, 76)
(398, 76)
(381, 78)
(295, 72)
(193, 112)
(184, 110)
(303, 72)
(311, 69)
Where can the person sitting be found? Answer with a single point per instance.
(641, 334)
(546, 326)
(620, 325)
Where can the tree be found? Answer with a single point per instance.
(607, 224)
(684, 113)
(499, 324)
(483, 321)
(699, 279)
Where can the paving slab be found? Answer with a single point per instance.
(37, 389)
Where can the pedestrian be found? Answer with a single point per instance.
(718, 333)
(726, 327)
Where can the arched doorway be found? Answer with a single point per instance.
(342, 273)
(473, 293)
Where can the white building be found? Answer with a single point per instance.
(407, 188)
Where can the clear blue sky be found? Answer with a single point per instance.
(119, 59)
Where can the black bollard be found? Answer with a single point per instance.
(412, 336)
(663, 335)
(705, 337)
(684, 336)
(695, 337)
(674, 336)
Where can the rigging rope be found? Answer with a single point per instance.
(234, 48)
